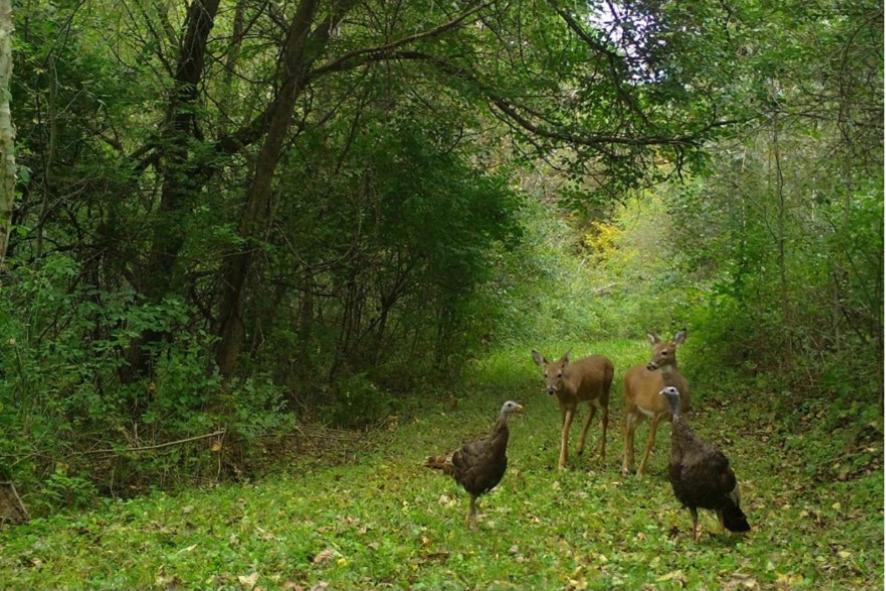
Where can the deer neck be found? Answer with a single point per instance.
(670, 375)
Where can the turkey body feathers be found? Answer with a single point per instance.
(480, 465)
(701, 476)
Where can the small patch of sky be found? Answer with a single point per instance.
(633, 32)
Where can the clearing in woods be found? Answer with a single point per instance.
(811, 478)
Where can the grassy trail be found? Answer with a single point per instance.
(384, 521)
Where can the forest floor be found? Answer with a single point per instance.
(812, 487)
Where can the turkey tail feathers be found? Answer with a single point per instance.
(439, 463)
(735, 520)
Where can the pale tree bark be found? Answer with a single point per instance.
(7, 131)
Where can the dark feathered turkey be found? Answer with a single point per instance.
(479, 465)
(700, 474)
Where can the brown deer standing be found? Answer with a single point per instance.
(584, 380)
(642, 385)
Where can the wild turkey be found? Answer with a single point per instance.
(479, 465)
(700, 473)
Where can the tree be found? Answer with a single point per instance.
(7, 131)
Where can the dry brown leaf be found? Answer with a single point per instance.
(325, 556)
(740, 581)
(248, 581)
(676, 575)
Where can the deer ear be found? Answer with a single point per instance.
(566, 356)
(653, 338)
(680, 337)
(539, 360)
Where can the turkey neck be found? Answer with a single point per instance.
(682, 435)
(680, 431)
(503, 420)
(502, 426)
(501, 433)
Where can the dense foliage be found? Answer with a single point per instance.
(236, 217)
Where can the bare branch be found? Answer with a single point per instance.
(341, 63)
(218, 433)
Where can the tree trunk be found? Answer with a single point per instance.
(11, 508)
(228, 93)
(158, 277)
(781, 243)
(7, 132)
(295, 66)
(180, 128)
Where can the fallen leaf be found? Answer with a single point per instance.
(789, 580)
(676, 575)
(740, 581)
(325, 556)
(248, 581)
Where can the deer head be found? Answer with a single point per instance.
(664, 353)
(553, 370)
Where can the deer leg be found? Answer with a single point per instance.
(630, 425)
(694, 513)
(653, 426)
(605, 420)
(592, 410)
(564, 437)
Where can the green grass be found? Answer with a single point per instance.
(384, 521)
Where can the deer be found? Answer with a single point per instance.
(584, 380)
(642, 384)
